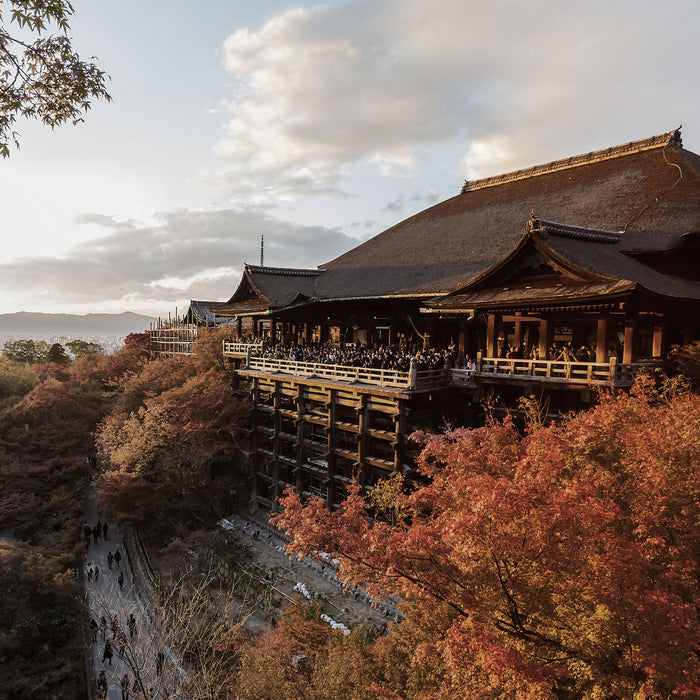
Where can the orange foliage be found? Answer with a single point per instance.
(562, 562)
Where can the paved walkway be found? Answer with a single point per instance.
(133, 655)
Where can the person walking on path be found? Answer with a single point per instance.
(105, 527)
(93, 629)
(110, 558)
(102, 681)
(125, 685)
(103, 628)
(118, 558)
(97, 573)
(115, 626)
(108, 653)
(120, 581)
(95, 534)
(160, 661)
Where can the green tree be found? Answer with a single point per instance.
(57, 354)
(15, 380)
(20, 350)
(41, 77)
(83, 347)
(41, 351)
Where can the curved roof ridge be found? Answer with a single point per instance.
(579, 232)
(669, 138)
(265, 269)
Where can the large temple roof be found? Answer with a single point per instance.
(649, 190)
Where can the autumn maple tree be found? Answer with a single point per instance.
(563, 562)
(170, 441)
(41, 76)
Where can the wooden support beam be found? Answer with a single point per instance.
(331, 444)
(546, 335)
(601, 341)
(628, 350)
(362, 421)
(491, 335)
(659, 342)
(518, 334)
(462, 340)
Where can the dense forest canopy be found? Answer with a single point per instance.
(560, 561)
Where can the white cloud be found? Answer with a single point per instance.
(324, 89)
(144, 267)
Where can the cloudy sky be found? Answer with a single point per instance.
(317, 125)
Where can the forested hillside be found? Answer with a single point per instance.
(558, 561)
(48, 412)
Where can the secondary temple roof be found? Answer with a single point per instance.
(555, 263)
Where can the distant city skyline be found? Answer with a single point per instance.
(317, 125)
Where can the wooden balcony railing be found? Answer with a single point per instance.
(585, 373)
(611, 372)
(235, 349)
(338, 373)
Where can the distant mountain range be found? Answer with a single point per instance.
(32, 324)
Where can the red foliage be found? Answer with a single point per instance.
(135, 352)
(565, 560)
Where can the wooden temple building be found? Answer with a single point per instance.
(548, 281)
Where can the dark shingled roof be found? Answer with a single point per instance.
(591, 262)
(206, 312)
(649, 190)
(266, 288)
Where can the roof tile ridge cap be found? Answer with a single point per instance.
(669, 138)
(283, 270)
(571, 231)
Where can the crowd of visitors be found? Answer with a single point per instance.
(558, 352)
(398, 359)
(389, 357)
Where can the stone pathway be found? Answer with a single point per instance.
(134, 657)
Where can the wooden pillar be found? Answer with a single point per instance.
(301, 414)
(546, 331)
(659, 343)
(276, 427)
(429, 334)
(362, 422)
(462, 340)
(239, 327)
(628, 354)
(601, 340)
(491, 335)
(273, 330)
(518, 335)
(330, 455)
(254, 438)
(400, 427)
